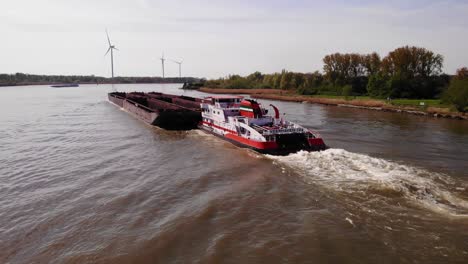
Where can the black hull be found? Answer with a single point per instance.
(165, 115)
(174, 120)
(285, 152)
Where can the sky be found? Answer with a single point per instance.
(218, 38)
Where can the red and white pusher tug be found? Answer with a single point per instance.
(245, 123)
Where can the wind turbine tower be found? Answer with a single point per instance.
(180, 67)
(162, 62)
(111, 49)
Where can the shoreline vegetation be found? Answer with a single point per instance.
(408, 79)
(398, 106)
(22, 79)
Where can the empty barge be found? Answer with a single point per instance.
(171, 112)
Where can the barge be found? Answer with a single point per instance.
(243, 122)
(167, 111)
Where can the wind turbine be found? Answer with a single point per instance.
(180, 66)
(111, 49)
(162, 61)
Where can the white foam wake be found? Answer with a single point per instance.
(350, 172)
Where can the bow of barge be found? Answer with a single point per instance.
(166, 111)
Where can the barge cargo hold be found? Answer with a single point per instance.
(167, 111)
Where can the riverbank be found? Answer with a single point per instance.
(240, 91)
(362, 103)
(25, 79)
(80, 83)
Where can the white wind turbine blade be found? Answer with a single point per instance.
(178, 62)
(107, 51)
(108, 39)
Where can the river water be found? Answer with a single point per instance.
(83, 182)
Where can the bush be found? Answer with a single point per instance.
(239, 83)
(378, 86)
(359, 85)
(347, 91)
(307, 90)
(213, 83)
(457, 94)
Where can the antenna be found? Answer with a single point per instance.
(111, 49)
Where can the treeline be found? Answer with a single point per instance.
(27, 79)
(407, 72)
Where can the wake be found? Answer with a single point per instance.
(345, 171)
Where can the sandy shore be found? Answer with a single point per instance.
(369, 104)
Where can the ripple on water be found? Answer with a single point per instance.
(82, 182)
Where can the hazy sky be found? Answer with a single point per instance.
(217, 38)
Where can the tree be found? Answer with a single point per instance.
(378, 86)
(413, 72)
(277, 80)
(356, 66)
(457, 94)
(255, 77)
(343, 67)
(310, 83)
(462, 73)
(268, 81)
(408, 62)
(298, 80)
(331, 67)
(286, 80)
(351, 69)
(359, 84)
(372, 62)
(239, 83)
(315, 78)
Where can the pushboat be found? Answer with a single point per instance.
(246, 123)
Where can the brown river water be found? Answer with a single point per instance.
(81, 181)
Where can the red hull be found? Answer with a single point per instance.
(314, 144)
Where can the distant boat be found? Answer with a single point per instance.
(65, 85)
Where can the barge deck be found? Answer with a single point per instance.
(171, 112)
